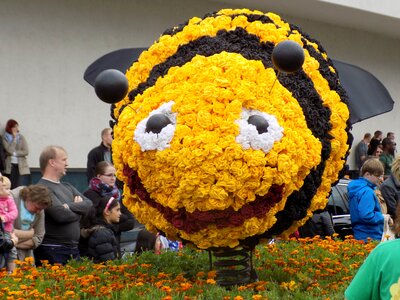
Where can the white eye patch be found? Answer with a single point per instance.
(157, 130)
(258, 130)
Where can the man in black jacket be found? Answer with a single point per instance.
(99, 153)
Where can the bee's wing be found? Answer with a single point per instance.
(120, 60)
(368, 97)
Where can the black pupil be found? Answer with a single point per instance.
(157, 122)
(259, 122)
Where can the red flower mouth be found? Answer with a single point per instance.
(198, 220)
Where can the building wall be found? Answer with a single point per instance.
(46, 46)
(384, 7)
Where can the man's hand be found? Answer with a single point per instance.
(78, 199)
(66, 205)
(14, 238)
(31, 231)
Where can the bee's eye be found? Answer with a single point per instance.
(258, 130)
(156, 123)
(157, 130)
(259, 122)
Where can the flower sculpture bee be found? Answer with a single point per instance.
(219, 147)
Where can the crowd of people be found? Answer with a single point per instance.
(376, 146)
(51, 220)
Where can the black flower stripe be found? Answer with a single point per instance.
(318, 120)
(297, 203)
(324, 65)
(328, 74)
(235, 41)
(250, 17)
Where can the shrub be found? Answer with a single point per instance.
(295, 269)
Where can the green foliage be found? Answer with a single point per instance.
(295, 269)
(187, 262)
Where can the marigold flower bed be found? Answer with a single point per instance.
(295, 269)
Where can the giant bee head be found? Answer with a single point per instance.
(218, 146)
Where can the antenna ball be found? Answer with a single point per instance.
(111, 86)
(288, 56)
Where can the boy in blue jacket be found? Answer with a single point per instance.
(365, 211)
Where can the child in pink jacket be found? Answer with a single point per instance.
(8, 213)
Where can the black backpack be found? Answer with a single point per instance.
(6, 245)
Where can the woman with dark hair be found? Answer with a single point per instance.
(16, 151)
(104, 185)
(98, 231)
(378, 151)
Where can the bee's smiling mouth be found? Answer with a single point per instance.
(198, 220)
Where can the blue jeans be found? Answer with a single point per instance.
(55, 254)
